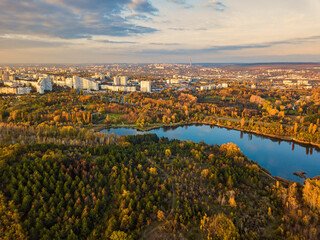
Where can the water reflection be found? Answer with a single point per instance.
(281, 158)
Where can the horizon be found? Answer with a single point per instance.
(164, 63)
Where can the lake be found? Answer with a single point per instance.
(281, 158)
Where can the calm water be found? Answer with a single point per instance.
(281, 158)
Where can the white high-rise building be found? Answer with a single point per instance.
(44, 84)
(77, 83)
(69, 82)
(145, 86)
(82, 83)
(116, 81)
(123, 80)
(120, 81)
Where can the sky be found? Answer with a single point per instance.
(159, 31)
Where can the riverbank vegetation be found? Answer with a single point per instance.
(149, 188)
(293, 114)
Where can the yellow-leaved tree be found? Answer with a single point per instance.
(311, 194)
(10, 227)
(219, 227)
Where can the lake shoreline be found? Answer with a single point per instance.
(147, 129)
(202, 131)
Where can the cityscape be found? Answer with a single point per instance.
(155, 77)
(159, 120)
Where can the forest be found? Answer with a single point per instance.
(60, 178)
(145, 187)
(290, 114)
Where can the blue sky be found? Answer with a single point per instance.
(160, 31)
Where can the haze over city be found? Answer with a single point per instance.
(163, 31)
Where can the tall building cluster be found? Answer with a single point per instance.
(23, 85)
(78, 83)
(26, 79)
(120, 83)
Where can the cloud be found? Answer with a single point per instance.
(178, 29)
(72, 19)
(20, 43)
(177, 1)
(216, 49)
(116, 42)
(297, 40)
(165, 44)
(216, 5)
(138, 16)
(188, 29)
(142, 6)
(182, 3)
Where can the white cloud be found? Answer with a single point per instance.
(217, 5)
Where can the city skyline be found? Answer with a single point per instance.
(166, 31)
